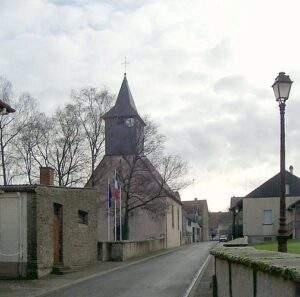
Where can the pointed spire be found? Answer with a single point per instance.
(125, 106)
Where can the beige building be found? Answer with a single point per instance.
(261, 217)
(260, 208)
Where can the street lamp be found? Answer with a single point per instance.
(281, 88)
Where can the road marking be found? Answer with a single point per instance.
(196, 277)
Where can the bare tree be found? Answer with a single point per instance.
(67, 154)
(26, 144)
(11, 126)
(91, 105)
(149, 176)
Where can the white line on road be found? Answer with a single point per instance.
(197, 276)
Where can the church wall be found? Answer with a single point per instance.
(174, 231)
(145, 225)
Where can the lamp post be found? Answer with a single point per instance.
(281, 88)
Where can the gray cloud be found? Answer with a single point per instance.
(189, 69)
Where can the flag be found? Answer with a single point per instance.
(116, 191)
(109, 196)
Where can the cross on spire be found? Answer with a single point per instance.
(125, 63)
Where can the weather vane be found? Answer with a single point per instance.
(125, 63)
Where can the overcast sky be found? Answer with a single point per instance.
(201, 69)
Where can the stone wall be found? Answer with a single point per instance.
(247, 272)
(79, 240)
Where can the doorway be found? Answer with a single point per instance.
(57, 233)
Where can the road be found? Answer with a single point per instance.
(164, 276)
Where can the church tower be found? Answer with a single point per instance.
(124, 128)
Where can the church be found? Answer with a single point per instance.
(150, 209)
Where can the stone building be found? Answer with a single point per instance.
(150, 209)
(44, 227)
(198, 210)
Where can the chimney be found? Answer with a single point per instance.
(291, 168)
(46, 176)
(195, 199)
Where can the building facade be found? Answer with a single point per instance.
(198, 211)
(46, 228)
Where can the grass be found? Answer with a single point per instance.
(293, 246)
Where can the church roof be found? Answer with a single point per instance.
(125, 106)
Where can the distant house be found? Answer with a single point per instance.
(191, 231)
(198, 210)
(220, 223)
(261, 209)
(45, 228)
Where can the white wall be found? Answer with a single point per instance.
(13, 227)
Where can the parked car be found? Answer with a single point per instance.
(223, 238)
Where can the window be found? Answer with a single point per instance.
(268, 220)
(172, 216)
(82, 217)
(287, 189)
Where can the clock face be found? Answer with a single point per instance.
(130, 122)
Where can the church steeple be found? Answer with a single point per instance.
(125, 106)
(123, 125)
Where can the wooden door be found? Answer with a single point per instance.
(57, 233)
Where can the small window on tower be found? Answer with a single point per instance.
(287, 189)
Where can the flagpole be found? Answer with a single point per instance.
(108, 213)
(120, 213)
(115, 212)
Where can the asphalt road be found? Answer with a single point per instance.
(164, 276)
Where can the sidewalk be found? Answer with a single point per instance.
(38, 287)
(205, 286)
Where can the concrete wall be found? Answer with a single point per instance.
(253, 217)
(121, 251)
(13, 235)
(236, 280)
(79, 240)
(247, 272)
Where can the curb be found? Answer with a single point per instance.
(190, 292)
(107, 271)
